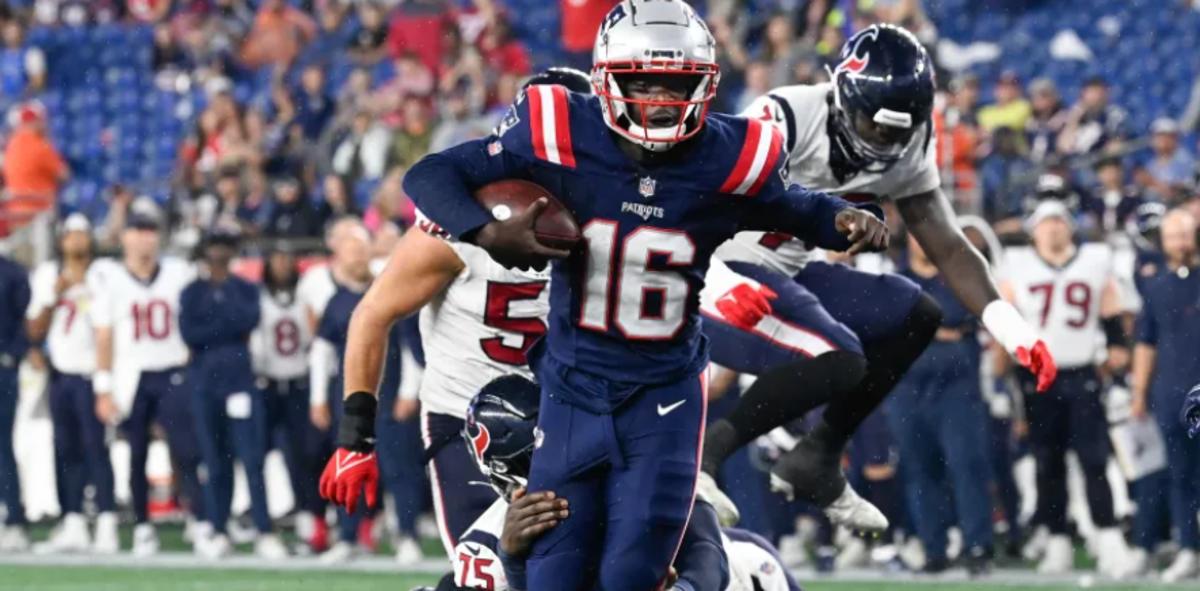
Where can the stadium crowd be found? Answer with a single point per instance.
(289, 177)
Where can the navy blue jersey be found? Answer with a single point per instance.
(1170, 321)
(334, 327)
(14, 299)
(624, 305)
(215, 320)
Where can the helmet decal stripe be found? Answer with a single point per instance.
(741, 170)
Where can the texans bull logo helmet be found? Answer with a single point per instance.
(499, 430)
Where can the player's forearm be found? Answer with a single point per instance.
(1144, 358)
(38, 327)
(104, 349)
(440, 184)
(321, 358)
(807, 215)
(930, 220)
(366, 350)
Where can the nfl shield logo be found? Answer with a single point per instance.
(646, 187)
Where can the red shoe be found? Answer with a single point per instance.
(365, 538)
(319, 541)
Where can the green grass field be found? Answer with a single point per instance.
(40, 578)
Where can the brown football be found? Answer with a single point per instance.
(555, 227)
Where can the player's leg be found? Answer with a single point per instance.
(96, 456)
(895, 322)
(568, 461)
(649, 492)
(68, 452)
(208, 414)
(962, 433)
(10, 482)
(136, 427)
(247, 425)
(460, 491)
(174, 414)
(1049, 429)
(803, 358)
(301, 442)
(399, 447)
(1089, 439)
(912, 424)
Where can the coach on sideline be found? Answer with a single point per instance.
(1166, 363)
(14, 299)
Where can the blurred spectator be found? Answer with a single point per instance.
(314, 107)
(362, 153)
(460, 120)
(149, 11)
(758, 83)
(33, 169)
(235, 206)
(1093, 124)
(22, 67)
(410, 142)
(167, 53)
(336, 201)
(1005, 177)
(413, 78)
(389, 205)
(1169, 172)
(781, 50)
(1046, 121)
(962, 132)
(1113, 201)
(417, 27)
(368, 47)
(580, 21)
(1010, 110)
(503, 53)
(354, 96)
(108, 235)
(292, 213)
(280, 31)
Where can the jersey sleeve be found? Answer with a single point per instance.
(1146, 328)
(535, 129)
(923, 176)
(775, 110)
(101, 311)
(41, 286)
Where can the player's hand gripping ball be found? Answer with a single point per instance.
(531, 226)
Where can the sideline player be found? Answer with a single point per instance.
(656, 183)
(1071, 292)
(60, 314)
(500, 432)
(867, 135)
(141, 358)
(477, 321)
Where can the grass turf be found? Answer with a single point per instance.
(59, 578)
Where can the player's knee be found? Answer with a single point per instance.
(843, 369)
(632, 572)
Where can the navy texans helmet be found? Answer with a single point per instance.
(1143, 226)
(883, 89)
(574, 80)
(500, 427)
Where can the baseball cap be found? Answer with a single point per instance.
(144, 214)
(76, 222)
(1046, 209)
(1164, 125)
(223, 234)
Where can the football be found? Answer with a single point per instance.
(555, 227)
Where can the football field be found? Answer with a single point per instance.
(72, 576)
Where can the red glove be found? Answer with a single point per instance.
(346, 474)
(1040, 363)
(745, 306)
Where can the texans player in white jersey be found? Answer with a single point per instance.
(279, 348)
(867, 135)
(500, 432)
(1070, 292)
(59, 315)
(140, 359)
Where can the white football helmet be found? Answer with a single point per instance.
(654, 37)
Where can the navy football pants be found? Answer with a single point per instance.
(402, 472)
(163, 397)
(939, 419)
(80, 452)
(461, 492)
(825, 307)
(10, 481)
(290, 428)
(1172, 495)
(232, 424)
(629, 478)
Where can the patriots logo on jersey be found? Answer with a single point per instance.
(851, 60)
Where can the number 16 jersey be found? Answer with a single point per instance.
(479, 327)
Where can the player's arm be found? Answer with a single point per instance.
(529, 515)
(701, 563)
(1112, 318)
(40, 312)
(421, 266)
(822, 220)
(1145, 356)
(102, 315)
(930, 220)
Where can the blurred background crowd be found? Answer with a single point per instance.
(279, 117)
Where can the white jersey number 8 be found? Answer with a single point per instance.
(650, 303)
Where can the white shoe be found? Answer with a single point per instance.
(1139, 562)
(707, 489)
(270, 547)
(339, 553)
(13, 539)
(239, 534)
(1035, 548)
(853, 555)
(107, 539)
(216, 547)
(1185, 566)
(1059, 557)
(855, 513)
(1112, 553)
(71, 535)
(791, 550)
(145, 540)
(408, 551)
